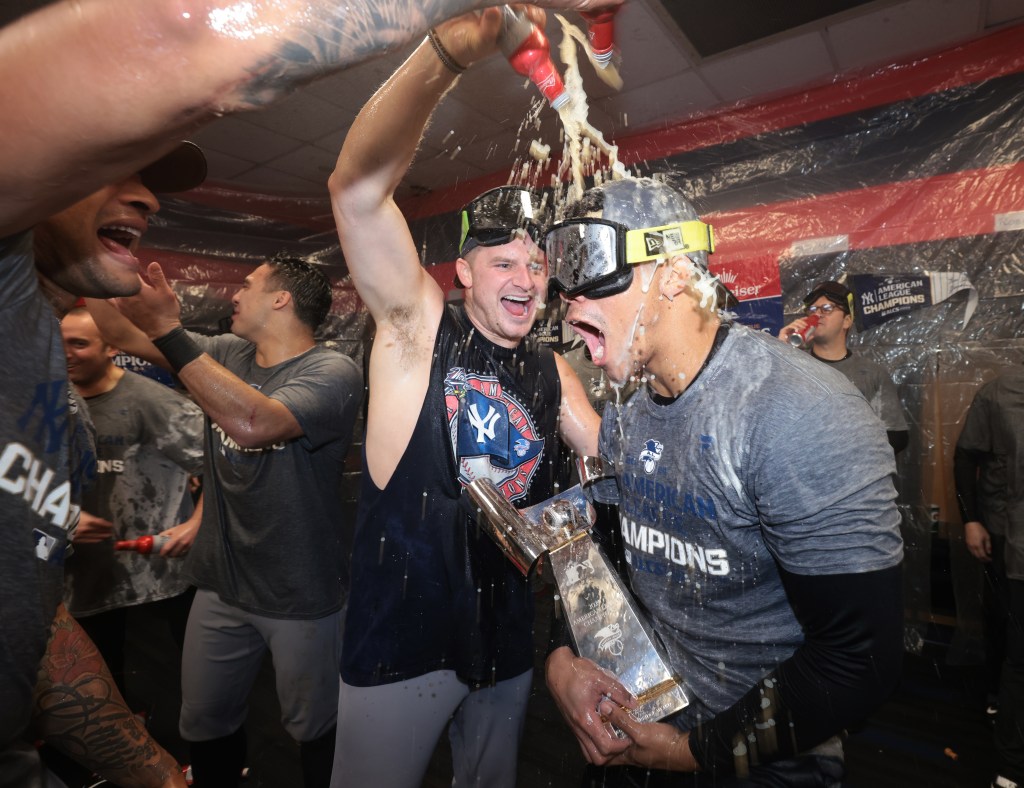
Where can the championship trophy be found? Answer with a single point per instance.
(605, 625)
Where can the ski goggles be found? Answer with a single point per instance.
(593, 257)
(496, 216)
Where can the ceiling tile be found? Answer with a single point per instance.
(237, 137)
(783, 64)
(291, 147)
(457, 113)
(899, 31)
(279, 182)
(1000, 12)
(653, 104)
(307, 162)
(332, 142)
(651, 46)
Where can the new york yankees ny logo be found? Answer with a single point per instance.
(492, 435)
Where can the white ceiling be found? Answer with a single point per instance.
(290, 148)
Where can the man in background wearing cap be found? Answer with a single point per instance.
(765, 548)
(47, 457)
(832, 304)
(438, 626)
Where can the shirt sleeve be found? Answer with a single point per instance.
(176, 426)
(324, 395)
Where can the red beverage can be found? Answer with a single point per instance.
(801, 338)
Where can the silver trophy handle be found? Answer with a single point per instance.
(605, 625)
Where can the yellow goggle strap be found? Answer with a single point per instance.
(463, 230)
(651, 243)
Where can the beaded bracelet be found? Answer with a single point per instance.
(443, 54)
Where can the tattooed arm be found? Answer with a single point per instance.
(79, 711)
(96, 89)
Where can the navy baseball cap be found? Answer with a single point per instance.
(838, 294)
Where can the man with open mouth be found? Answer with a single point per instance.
(87, 248)
(756, 508)
(439, 621)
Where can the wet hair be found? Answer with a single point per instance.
(309, 286)
(637, 203)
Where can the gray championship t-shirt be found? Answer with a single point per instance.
(46, 456)
(148, 440)
(271, 536)
(745, 472)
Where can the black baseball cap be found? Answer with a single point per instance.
(838, 294)
(182, 169)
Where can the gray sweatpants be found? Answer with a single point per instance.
(387, 734)
(224, 648)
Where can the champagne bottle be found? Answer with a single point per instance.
(601, 33)
(528, 51)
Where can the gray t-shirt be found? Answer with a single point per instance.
(45, 458)
(995, 426)
(148, 440)
(873, 381)
(271, 536)
(744, 472)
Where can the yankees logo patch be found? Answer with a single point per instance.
(492, 435)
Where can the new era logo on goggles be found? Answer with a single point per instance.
(496, 216)
(592, 257)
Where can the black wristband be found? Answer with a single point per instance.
(178, 348)
(443, 54)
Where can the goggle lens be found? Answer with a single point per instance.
(583, 254)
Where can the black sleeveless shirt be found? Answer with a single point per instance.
(430, 590)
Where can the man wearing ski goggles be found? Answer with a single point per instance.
(710, 458)
(497, 216)
(594, 257)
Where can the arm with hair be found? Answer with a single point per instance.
(96, 89)
(378, 151)
(79, 711)
(251, 419)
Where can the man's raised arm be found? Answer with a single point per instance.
(96, 89)
(379, 149)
